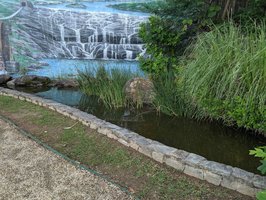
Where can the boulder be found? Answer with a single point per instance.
(139, 89)
(32, 81)
(65, 83)
(11, 84)
(4, 78)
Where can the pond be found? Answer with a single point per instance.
(68, 68)
(212, 140)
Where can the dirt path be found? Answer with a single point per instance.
(28, 171)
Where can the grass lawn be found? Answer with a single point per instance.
(144, 177)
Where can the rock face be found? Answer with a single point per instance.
(32, 81)
(4, 78)
(139, 89)
(89, 35)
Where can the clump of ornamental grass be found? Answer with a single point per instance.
(225, 73)
(107, 85)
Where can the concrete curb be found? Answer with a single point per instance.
(189, 163)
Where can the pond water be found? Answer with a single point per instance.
(67, 68)
(101, 6)
(209, 139)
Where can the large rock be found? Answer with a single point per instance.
(11, 84)
(32, 81)
(139, 89)
(4, 78)
(65, 83)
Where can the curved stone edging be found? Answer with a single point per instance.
(189, 163)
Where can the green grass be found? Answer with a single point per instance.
(107, 85)
(146, 178)
(226, 74)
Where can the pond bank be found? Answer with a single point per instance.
(191, 164)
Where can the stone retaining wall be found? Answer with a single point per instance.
(189, 163)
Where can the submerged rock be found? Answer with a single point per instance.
(139, 90)
(32, 81)
(65, 83)
(4, 78)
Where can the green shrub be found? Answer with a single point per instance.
(226, 74)
(260, 152)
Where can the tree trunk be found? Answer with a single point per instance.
(230, 7)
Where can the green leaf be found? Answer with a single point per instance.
(262, 167)
(258, 152)
(261, 195)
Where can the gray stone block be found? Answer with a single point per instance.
(236, 184)
(178, 165)
(212, 177)
(159, 157)
(161, 148)
(194, 171)
(259, 181)
(112, 136)
(134, 145)
(194, 159)
(217, 168)
(179, 155)
(247, 177)
(104, 131)
(123, 142)
(93, 125)
(145, 151)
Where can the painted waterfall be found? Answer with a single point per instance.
(63, 33)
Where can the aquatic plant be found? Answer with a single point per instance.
(108, 85)
(225, 73)
(171, 98)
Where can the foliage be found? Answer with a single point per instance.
(260, 152)
(148, 7)
(164, 42)
(170, 31)
(171, 98)
(255, 9)
(226, 74)
(107, 85)
(177, 22)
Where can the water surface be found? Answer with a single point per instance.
(70, 67)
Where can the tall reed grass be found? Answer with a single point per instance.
(225, 73)
(107, 85)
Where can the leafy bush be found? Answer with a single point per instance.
(226, 74)
(260, 152)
